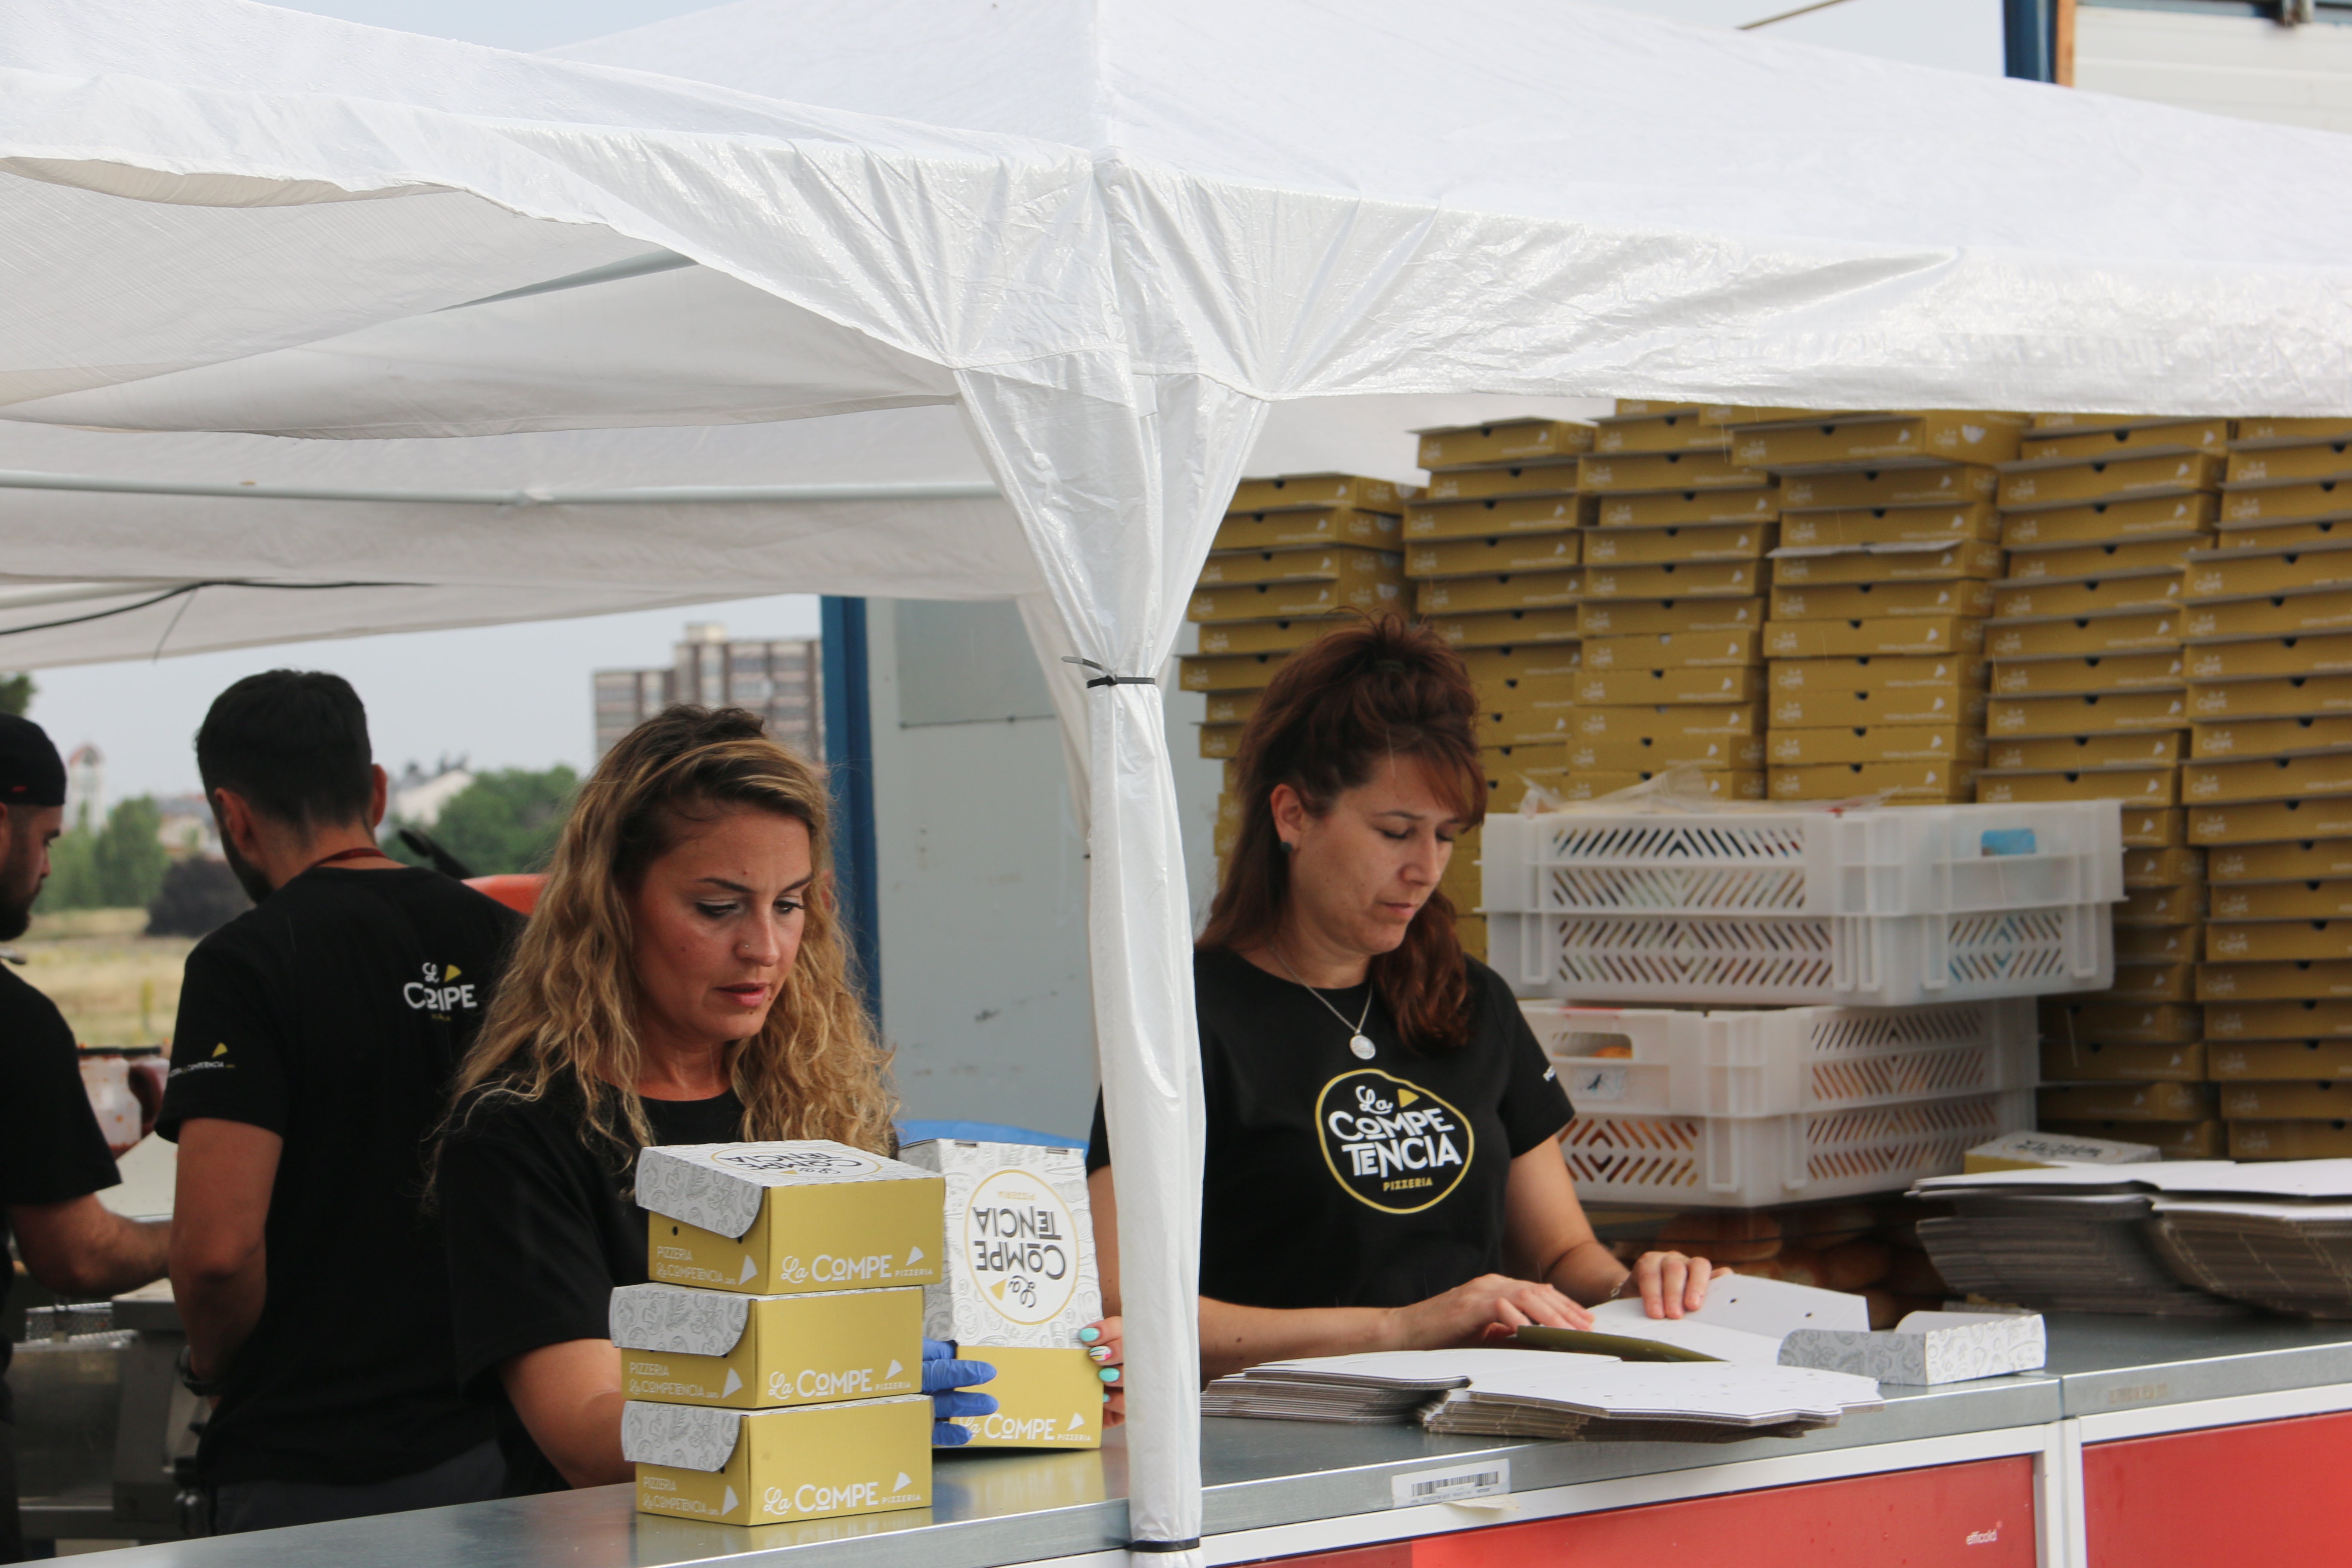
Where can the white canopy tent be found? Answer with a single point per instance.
(1021, 339)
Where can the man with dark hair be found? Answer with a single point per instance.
(317, 1036)
(53, 1158)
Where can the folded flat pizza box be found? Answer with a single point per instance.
(1221, 741)
(2291, 432)
(2162, 868)
(1794, 565)
(2072, 754)
(2285, 980)
(1280, 636)
(1860, 526)
(1903, 635)
(2095, 715)
(1502, 667)
(1316, 492)
(774, 1466)
(1473, 595)
(1662, 687)
(2061, 481)
(2293, 861)
(2075, 561)
(2177, 906)
(2100, 523)
(1653, 617)
(2270, 942)
(2136, 786)
(2043, 1151)
(2267, 778)
(2085, 637)
(1329, 526)
(1231, 707)
(1863, 709)
(2270, 822)
(1662, 471)
(2125, 1102)
(784, 1217)
(2099, 1061)
(1659, 546)
(2105, 596)
(2275, 464)
(2271, 658)
(1497, 555)
(2077, 677)
(1545, 478)
(1329, 563)
(1870, 601)
(1650, 753)
(2280, 1060)
(1508, 628)
(1884, 743)
(2179, 941)
(1756, 413)
(1675, 650)
(1710, 782)
(1507, 794)
(1373, 583)
(1751, 503)
(1930, 436)
(1539, 724)
(1923, 781)
(1680, 431)
(2289, 1139)
(1639, 723)
(2297, 1102)
(1677, 579)
(1900, 672)
(2262, 574)
(2272, 536)
(2120, 1023)
(2152, 827)
(684, 1345)
(1640, 406)
(2283, 696)
(2171, 1139)
(1512, 441)
(1482, 519)
(2153, 982)
(1935, 484)
(2287, 503)
(1227, 672)
(2170, 436)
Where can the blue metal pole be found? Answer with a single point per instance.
(849, 757)
(2030, 39)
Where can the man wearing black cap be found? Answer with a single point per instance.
(53, 1158)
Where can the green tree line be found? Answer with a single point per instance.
(120, 865)
(506, 820)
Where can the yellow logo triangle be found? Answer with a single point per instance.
(221, 1050)
(997, 1290)
(450, 973)
(1406, 1097)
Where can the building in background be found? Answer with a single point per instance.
(85, 787)
(418, 796)
(186, 825)
(780, 681)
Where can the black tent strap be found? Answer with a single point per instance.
(1192, 1545)
(185, 588)
(1107, 679)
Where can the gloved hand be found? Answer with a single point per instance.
(944, 1379)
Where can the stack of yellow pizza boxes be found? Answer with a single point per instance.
(1493, 548)
(1673, 600)
(2101, 515)
(1291, 554)
(1881, 586)
(773, 1365)
(2269, 787)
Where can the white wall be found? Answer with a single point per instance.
(2247, 67)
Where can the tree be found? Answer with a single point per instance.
(199, 896)
(16, 693)
(504, 821)
(121, 866)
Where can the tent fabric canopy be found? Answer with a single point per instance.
(1043, 279)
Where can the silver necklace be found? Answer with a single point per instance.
(1357, 1041)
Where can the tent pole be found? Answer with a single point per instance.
(849, 758)
(2030, 39)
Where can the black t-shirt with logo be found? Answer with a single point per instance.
(541, 1226)
(1331, 1181)
(333, 1014)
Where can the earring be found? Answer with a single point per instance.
(1288, 847)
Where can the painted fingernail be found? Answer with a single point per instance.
(1108, 1374)
(1100, 1352)
(1088, 1336)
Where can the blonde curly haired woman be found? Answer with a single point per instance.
(682, 980)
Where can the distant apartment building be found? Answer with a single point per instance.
(780, 681)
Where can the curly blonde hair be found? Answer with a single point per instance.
(565, 1011)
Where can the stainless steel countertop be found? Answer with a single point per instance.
(992, 1509)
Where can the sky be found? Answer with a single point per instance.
(519, 696)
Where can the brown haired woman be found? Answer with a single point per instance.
(682, 980)
(1381, 1171)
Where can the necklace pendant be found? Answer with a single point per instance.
(1362, 1047)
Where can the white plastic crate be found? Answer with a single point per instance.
(1743, 1063)
(1868, 961)
(1885, 861)
(1755, 1161)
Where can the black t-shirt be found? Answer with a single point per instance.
(51, 1151)
(333, 1014)
(541, 1226)
(1331, 1181)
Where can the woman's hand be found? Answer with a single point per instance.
(1671, 1283)
(1489, 1307)
(945, 1380)
(1104, 1345)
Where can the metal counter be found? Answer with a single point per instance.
(999, 1508)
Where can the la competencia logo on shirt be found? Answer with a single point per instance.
(1393, 1145)
(440, 992)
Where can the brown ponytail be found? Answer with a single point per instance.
(1375, 690)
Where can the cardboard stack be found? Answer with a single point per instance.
(1673, 578)
(1881, 585)
(773, 1364)
(2268, 785)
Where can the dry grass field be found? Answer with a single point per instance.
(115, 986)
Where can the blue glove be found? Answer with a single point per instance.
(944, 1379)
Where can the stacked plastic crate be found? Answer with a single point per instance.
(1291, 554)
(2100, 516)
(1673, 600)
(2269, 787)
(1880, 588)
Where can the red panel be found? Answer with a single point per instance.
(1976, 1515)
(2269, 1491)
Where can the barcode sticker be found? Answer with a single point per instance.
(1458, 1483)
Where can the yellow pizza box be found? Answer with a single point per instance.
(1752, 413)
(2270, 822)
(2084, 563)
(2152, 982)
(2261, 575)
(2273, 982)
(1529, 726)
(1229, 809)
(1488, 519)
(1316, 492)
(2293, 1102)
(1507, 794)
(1676, 580)
(2274, 465)
(775, 1466)
(2096, 1061)
(2160, 943)
(1859, 527)
(1662, 471)
(1680, 431)
(1871, 601)
(2281, 1039)
(1508, 441)
(1650, 753)
(1924, 436)
(1221, 741)
(1550, 479)
(2134, 786)
(2100, 523)
(2282, 614)
(2312, 900)
(2101, 715)
(1897, 673)
(1675, 650)
(2080, 677)
(1938, 484)
(1499, 667)
(2125, 1102)
(2064, 1018)
(1642, 407)
(1892, 636)
(2163, 868)
(1230, 774)
(1231, 707)
(1508, 628)
(2295, 860)
(1711, 783)
(2275, 1061)
(1653, 617)
(1318, 565)
(779, 1218)
(1922, 782)
(1550, 690)
(1685, 509)
(1330, 526)
(1864, 709)
(1227, 672)
(1244, 638)
(2072, 754)
(2285, 697)
(1884, 743)
(1499, 555)
(2278, 941)
(2171, 435)
(2293, 432)
(1650, 546)
(1664, 687)
(2182, 905)
(689, 1346)
(1046, 1397)
(2040, 422)
(1471, 595)
(2171, 1139)
(2287, 1139)
(1372, 588)
(2073, 481)
(1638, 723)
(2267, 778)
(2089, 638)
(2071, 601)
(2325, 500)
(2319, 533)
(1971, 559)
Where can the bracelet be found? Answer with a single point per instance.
(1619, 1289)
(186, 1365)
